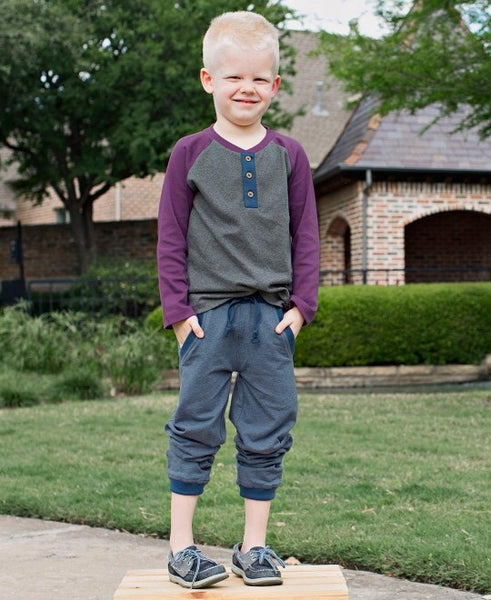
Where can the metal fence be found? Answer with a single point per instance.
(403, 276)
(136, 297)
(128, 297)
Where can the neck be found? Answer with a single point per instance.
(243, 137)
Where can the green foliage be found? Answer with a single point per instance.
(412, 324)
(134, 363)
(34, 344)
(154, 322)
(82, 357)
(93, 92)
(155, 319)
(428, 57)
(105, 268)
(78, 383)
(118, 287)
(17, 390)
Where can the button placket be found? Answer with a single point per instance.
(249, 181)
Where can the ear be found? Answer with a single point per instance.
(276, 86)
(206, 80)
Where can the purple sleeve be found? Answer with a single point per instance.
(175, 206)
(304, 231)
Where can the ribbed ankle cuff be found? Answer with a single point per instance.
(256, 493)
(185, 488)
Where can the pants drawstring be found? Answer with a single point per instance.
(257, 315)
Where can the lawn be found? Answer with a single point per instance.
(392, 483)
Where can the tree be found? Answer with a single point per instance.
(437, 53)
(95, 91)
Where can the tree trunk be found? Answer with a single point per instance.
(84, 236)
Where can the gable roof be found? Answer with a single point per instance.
(398, 142)
(317, 133)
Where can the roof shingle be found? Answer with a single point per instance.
(400, 142)
(316, 133)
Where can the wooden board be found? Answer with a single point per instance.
(300, 582)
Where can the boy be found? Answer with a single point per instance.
(238, 257)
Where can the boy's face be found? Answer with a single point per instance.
(243, 84)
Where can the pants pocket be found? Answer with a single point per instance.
(187, 342)
(291, 338)
(288, 332)
(191, 337)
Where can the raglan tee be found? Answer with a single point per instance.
(234, 222)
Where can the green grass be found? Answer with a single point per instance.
(393, 483)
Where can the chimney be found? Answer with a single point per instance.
(319, 110)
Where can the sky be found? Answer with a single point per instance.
(334, 15)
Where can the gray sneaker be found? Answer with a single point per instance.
(257, 567)
(192, 569)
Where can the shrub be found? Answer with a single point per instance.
(154, 322)
(134, 362)
(105, 268)
(34, 343)
(412, 324)
(109, 287)
(79, 351)
(126, 287)
(78, 383)
(17, 391)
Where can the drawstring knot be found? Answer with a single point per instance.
(255, 299)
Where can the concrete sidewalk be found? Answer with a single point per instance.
(46, 560)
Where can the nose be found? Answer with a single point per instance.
(247, 87)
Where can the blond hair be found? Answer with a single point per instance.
(244, 29)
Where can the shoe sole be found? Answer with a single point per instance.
(259, 580)
(202, 583)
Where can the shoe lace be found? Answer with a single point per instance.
(266, 554)
(191, 555)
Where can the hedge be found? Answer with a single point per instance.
(441, 323)
(413, 324)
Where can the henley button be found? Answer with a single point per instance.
(249, 175)
(250, 194)
(248, 158)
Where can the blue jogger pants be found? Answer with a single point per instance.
(240, 337)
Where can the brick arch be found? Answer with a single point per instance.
(448, 245)
(337, 256)
(428, 212)
(337, 225)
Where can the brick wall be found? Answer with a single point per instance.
(392, 207)
(130, 200)
(49, 250)
(400, 232)
(339, 210)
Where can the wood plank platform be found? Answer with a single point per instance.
(300, 582)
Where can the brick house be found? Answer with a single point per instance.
(389, 199)
(397, 205)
